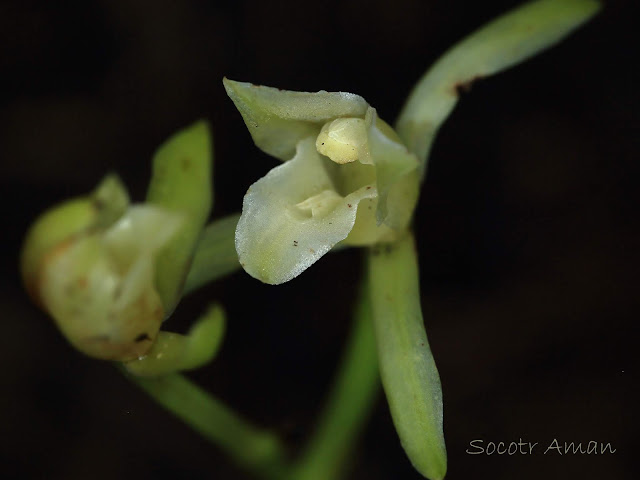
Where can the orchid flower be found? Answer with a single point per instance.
(347, 178)
(100, 266)
(109, 272)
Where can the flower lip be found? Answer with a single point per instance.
(294, 215)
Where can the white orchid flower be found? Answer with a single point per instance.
(109, 273)
(90, 263)
(347, 177)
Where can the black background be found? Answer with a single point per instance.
(526, 228)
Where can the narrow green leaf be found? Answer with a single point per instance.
(409, 374)
(181, 182)
(502, 43)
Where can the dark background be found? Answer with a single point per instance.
(526, 227)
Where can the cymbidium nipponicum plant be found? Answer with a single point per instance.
(109, 272)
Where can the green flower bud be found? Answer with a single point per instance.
(90, 264)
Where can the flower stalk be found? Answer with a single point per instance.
(256, 450)
(352, 397)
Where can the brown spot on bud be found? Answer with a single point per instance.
(142, 337)
(464, 86)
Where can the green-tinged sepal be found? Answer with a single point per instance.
(90, 263)
(409, 374)
(396, 173)
(172, 352)
(502, 43)
(181, 183)
(279, 119)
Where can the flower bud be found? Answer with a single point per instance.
(90, 264)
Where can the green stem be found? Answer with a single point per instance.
(256, 450)
(350, 402)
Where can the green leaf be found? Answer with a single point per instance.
(502, 43)
(409, 374)
(279, 119)
(181, 182)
